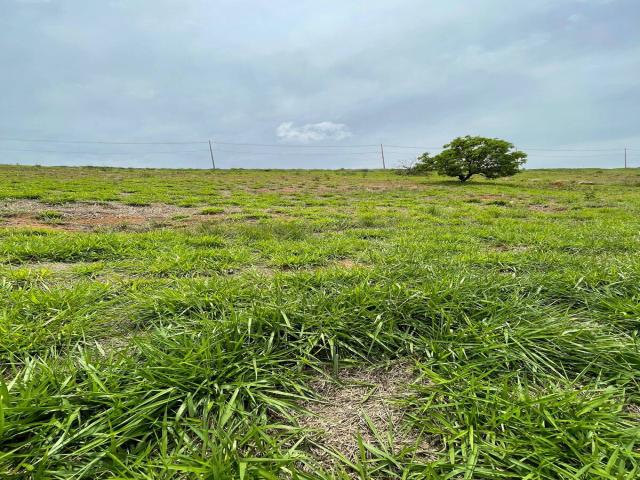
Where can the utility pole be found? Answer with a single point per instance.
(213, 162)
(384, 167)
(625, 157)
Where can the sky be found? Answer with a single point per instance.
(316, 84)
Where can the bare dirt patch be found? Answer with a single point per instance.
(361, 404)
(346, 263)
(321, 189)
(87, 216)
(489, 197)
(548, 208)
(19, 221)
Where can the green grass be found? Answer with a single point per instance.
(211, 211)
(184, 349)
(50, 215)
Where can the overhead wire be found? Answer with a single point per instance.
(99, 142)
(393, 151)
(99, 153)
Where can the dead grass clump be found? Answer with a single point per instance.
(347, 263)
(510, 248)
(54, 267)
(361, 405)
(87, 216)
(547, 208)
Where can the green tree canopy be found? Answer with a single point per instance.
(466, 156)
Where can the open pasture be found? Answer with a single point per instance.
(168, 324)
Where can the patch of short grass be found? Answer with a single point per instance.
(212, 211)
(50, 215)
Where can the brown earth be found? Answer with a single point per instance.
(547, 208)
(87, 216)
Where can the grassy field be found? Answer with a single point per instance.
(161, 324)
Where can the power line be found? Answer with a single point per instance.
(280, 145)
(569, 155)
(104, 142)
(394, 152)
(415, 148)
(574, 149)
(527, 148)
(240, 152)
(97, 153)
(284, 145)
(95, 142)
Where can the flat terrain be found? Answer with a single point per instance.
(164, 324)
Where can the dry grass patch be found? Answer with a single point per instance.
(53, 267)
(123, 343)
(361, 405)
(347, 263)
(87, 216)
(510, 248)
(547, 208)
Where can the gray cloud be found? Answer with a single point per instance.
(549, 73)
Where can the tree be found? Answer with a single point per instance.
(466, 156)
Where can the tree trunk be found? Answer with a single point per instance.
(464, 178)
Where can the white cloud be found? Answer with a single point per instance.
(313, 132)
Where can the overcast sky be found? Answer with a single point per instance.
(561, 74)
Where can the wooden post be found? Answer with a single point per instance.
(213, 162)
(384, 167)
(625, 157)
